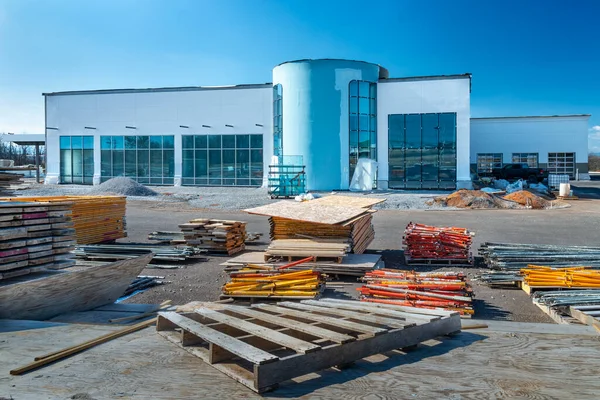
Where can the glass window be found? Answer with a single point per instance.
(562, 164)
(277, 120)
(531, 159)
(362, 122)
(142, 158)
(214, 141)
(76, 159)
(256, 141)
(228, 141)
(422, 151)
(242, 141)
(201, 141)
(187, 141)
(488, 161)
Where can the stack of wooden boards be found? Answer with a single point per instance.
(437, 245)
(35, 237)
(319, 249)
(433, 290)
(214, 235)
(338, 219)
(96, 219)
(276, 284)
(7, 180)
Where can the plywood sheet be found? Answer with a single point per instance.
(351, 201)
(350, 260)
(309, 211)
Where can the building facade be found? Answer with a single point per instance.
(328, 113)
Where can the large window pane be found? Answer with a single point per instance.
(429, 130)
(168, 142)
(256, 141)
(200, 141)
(143, 164)
(187, 141)
(243, 164)
(214, 141)
(156, 142)
(65, 142)
(88, 142)
(188, 163)
(168, 163)
(105, 142)
(229, 141)
(106, 163)
(130, 142)
(118, 159)
(117, 142)
(242, 141)
(143, 142)
(214, 166)
(201, 164)
(228, 163)
(76, 164)
(76, 142)
(155, 163)
(130, 161)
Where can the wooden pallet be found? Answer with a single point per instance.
(589, 315)
(263, 345)
(439, 262)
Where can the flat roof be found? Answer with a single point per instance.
(25, 139)
(537, 116)
(466, 75)
(163, 89)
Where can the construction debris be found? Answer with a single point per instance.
(214, 235)
(307, 248)
(515, 256)
(483, 199)
(309, 336)
(96, 219)
(445, 290)
(352, 264)
(34, 237)
(127, 251)
(437, 245)
(142, 283)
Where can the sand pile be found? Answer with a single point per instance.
(123, 186)
(470, 199)
(528, 199)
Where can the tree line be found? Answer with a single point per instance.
(21, 155)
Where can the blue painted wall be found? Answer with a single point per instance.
(315, 116)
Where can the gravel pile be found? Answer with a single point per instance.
(122, 186)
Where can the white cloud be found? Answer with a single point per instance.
(594, 133)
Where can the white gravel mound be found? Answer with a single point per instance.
(123, 186)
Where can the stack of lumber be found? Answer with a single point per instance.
(343, 218)
(214, 235)
(96, 219)
(351, 265)
(34, 237)
(127, 251)
(430, 243)
(278, 284)
(515, 256)
(537, 276)
(290, 248)
(7, 180)
(444, 290)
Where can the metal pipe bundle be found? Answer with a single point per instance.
(278, 284)
(430, 242)
(447, 290)
(570, 277)
(515, 256)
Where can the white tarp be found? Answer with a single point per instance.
(364, 175)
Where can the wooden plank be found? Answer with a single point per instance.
(292, 324)
(270, 374)
(375, 319)
(308, 212)
(359, 306)
(231, 344)
(271, 335)
(585, 318)
(340, 323)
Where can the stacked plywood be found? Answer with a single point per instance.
(7, 180)
(214, 235)
(307, 248)
(96, 219)
(35, 236)
(343, 218)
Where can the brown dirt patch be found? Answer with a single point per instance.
(528, 199)
(470, 199)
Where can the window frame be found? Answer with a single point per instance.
(497, 161)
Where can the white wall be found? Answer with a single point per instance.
(540, 135)
(425, 96)
(158, 113)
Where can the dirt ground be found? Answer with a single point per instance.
(202, 280)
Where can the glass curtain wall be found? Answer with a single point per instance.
(145, 159)
(77, 159)
(422, 151)
(222, 160)
(363, 122)
(277, 120)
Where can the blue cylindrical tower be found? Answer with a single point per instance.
(315, 115)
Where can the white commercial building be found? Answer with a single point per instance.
(329, 112)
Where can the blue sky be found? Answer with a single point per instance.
(535, 57)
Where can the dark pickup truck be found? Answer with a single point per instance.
(520, 171)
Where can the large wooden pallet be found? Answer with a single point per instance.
(263, 345)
